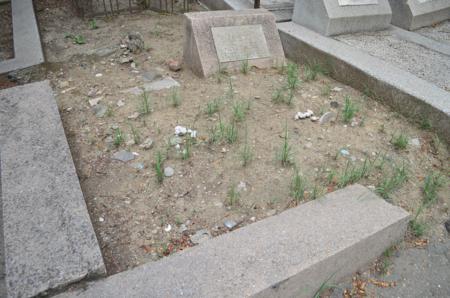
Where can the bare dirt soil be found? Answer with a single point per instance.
(136, 218)
(6, 34)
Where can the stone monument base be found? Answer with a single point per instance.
(414, 14)
(333, 17)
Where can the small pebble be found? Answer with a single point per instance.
(169, 171)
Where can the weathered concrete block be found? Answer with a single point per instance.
(413, 14)
(48, 236)
(332, 17)
(288, 255)
(223, 39)
(27, 42)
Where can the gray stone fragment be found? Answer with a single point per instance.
(327, 117)
(138, 166)
(100, 110)
(165, 83)
(200, 236)
(229, 224)
(414, 142)
(123, 155)
(169, 171)
(151, 75)
(49, 241)
(147, 144)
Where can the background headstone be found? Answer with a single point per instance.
(413, 14)
(333, 17)
(225, 39)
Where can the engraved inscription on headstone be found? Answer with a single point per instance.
(237, 43)
(357, 2)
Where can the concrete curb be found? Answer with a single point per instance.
(49, 241)
(287, 255)
(27, 42)
(404, 92)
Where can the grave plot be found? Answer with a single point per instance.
(260, 140)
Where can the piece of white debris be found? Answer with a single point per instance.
(101, 219)
(98, 75)
(168, 228)
(95, 101)
(180, 130)
(120, 103)
(337, 89)
(314, 119)
(304, 115)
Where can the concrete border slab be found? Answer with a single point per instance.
(48, 236)
(27, 42)
(287, 255)
(404, 92)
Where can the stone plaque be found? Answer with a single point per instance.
(237, 43)
(357, 2)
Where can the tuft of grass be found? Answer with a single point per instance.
(354, 173)
(175, 98)
(240, 110)
(118, 137)
(159, 167)
(349, 111)
(136, 135)
(109, 111)
(433, 182)
(246, 153)
(231, 133)
(298, 186)
(145, 104)
(325, 91)
(233, 196)
(425, 124)
(392, 182)
(217, 132)
(230, 92)
(213, 106)
(186, 153)
(285, 153)
(245, 67)
(312, 69)
(417, 228)
(325, 286)
(76, 39)
(292, 76)
(93, 24)
(221, 74)
(399, 141)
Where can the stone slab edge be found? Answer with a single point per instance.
(49, 241)
(409, 95)
(27, 42)
(287, 255)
